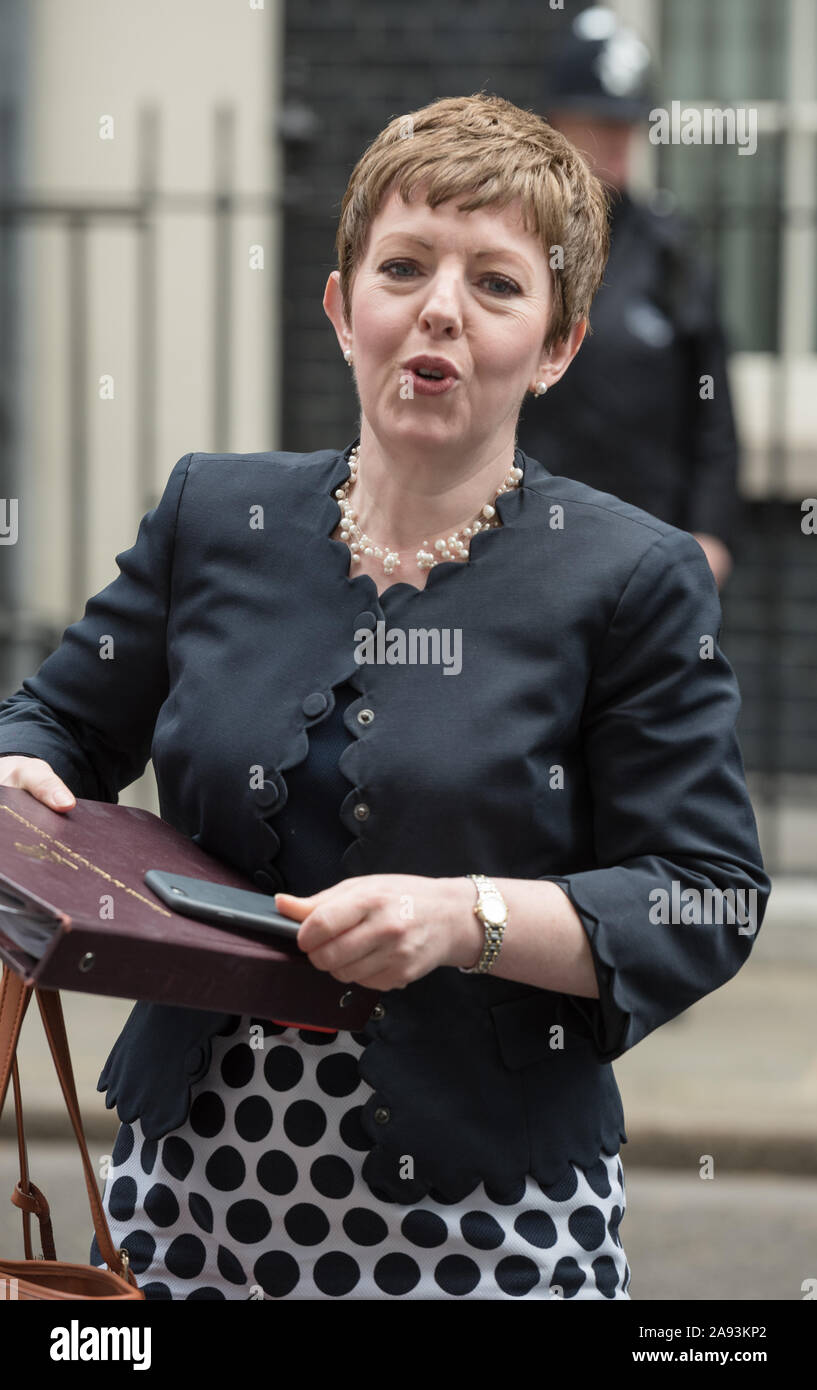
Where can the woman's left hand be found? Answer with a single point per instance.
(386, 930)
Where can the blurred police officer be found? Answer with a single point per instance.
(644, 411)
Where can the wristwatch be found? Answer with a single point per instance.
(492, 911)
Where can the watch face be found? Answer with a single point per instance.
(493, 908)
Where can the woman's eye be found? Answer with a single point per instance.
(506, 286)
(396, 265)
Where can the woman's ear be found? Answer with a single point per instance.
(554, 364)
(333, 306)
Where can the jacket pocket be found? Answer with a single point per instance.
(570, 1098)
(526, 1028)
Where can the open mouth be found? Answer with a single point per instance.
(430, 381)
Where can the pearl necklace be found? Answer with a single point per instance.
(454, 547)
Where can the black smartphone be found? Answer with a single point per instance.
(220, 904)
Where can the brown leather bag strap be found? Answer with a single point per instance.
(54, 1024)
(15, 997)
(14, 1000)
(33, 1202)
(21, 1149)
(25, 1195)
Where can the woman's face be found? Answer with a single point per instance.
(473, 288)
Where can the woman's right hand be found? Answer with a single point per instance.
(38, 777)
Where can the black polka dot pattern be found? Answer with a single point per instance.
(253, 1118)
(424, 1228)
(238, 1066)
(331, 1176)
(457, 1274)
(537, 1228)
(207, 1114)
(123, 1198)
(161, 1205)
(304, 1122)
(177, 1156)
(201, 1211)
(337, 1075)
(185, 1256)
(147, 1157)
(123, 1146)
(307, 1224)
(259, 1194)
(229, 1266)
(225, 1169)
(248, 1221)
(336, 1274)
(283, 1068)
(277, 1172)
(364, 1226)
(481, 1230)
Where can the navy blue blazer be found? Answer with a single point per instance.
(588, 738)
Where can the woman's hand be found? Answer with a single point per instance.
(38, 777)
(386, 930)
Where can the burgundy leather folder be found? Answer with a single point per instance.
(76, 914)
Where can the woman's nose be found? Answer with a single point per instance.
(442, 306)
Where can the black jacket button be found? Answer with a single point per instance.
(314, 704)
(267, 794)
(382, 1115)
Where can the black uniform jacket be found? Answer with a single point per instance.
(635, 414)
(588, 737)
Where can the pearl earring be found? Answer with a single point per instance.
(540, 388)
(348, 357)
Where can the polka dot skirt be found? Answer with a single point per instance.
(259, 1195)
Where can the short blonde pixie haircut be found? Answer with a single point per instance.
(491, 151)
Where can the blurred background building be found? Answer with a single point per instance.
(171, 181)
